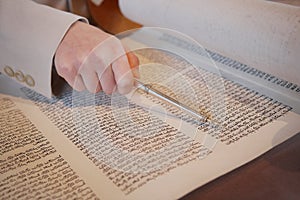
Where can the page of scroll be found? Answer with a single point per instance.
(117, 147)
(81, 145)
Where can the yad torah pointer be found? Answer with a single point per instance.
(150, 90)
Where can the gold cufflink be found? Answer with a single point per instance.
(20, 76)
(9, 71)
(29, 81)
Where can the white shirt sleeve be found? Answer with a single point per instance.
(29, 36)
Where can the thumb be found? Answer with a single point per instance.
(134, 64)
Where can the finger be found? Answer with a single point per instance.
(90, 80)
(107, 80)
(73, 79)
(134, 64)
(67, 72)
(123, 75)
(78, 83)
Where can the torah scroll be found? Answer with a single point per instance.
(262, 34)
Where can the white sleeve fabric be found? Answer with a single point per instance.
(29, 36)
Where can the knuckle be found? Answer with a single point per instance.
(64, 71)
(124, 86)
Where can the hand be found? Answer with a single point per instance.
(88, 58)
